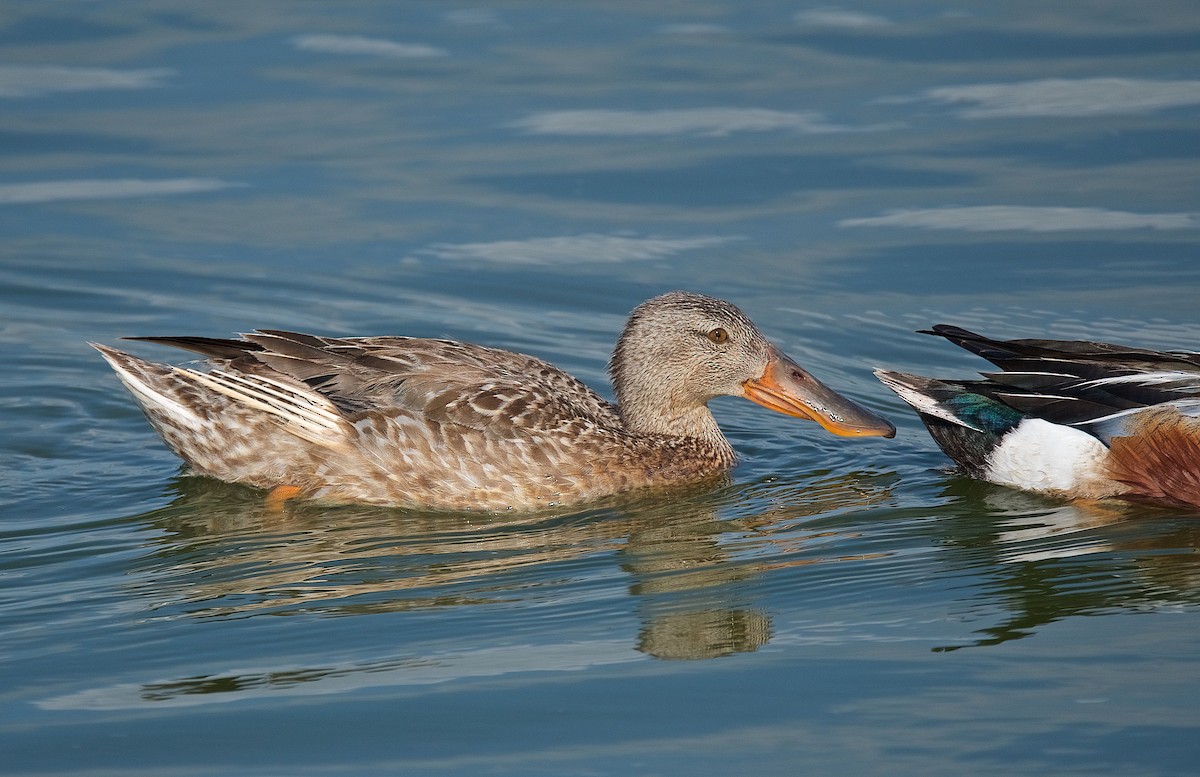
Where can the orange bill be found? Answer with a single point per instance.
(787, 388)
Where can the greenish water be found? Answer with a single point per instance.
(522, 174)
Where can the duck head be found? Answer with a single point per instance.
(681, 349)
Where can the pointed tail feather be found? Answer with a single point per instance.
(152, 386)
(225, 402)
(928, 396)
(1024, 353)
(212, 347)
(966, 425)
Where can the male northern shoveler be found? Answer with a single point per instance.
(446, 425)
(1068, 418)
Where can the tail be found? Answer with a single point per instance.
(212, 347)
(1069, 356)
(964, 422)
(205, 416)
(156, 388)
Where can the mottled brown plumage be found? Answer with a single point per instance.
(439, 424)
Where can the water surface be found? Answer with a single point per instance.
(522, 174)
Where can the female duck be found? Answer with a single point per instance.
(446, 425)
(1068, 418)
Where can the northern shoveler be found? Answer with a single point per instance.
(1068, 418)
(439, 424)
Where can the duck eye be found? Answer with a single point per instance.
(718, 335)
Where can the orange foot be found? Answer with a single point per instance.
(280, 494)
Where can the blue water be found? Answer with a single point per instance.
(522, 175)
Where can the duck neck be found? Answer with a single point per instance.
(649, 408)
(651, 415)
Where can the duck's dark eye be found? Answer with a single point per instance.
(718, 335)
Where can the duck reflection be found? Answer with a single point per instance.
(223, 551)
(689, 590)
(1046, 561)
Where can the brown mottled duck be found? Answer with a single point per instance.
(438, 424)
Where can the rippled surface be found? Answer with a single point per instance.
(522, 175)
